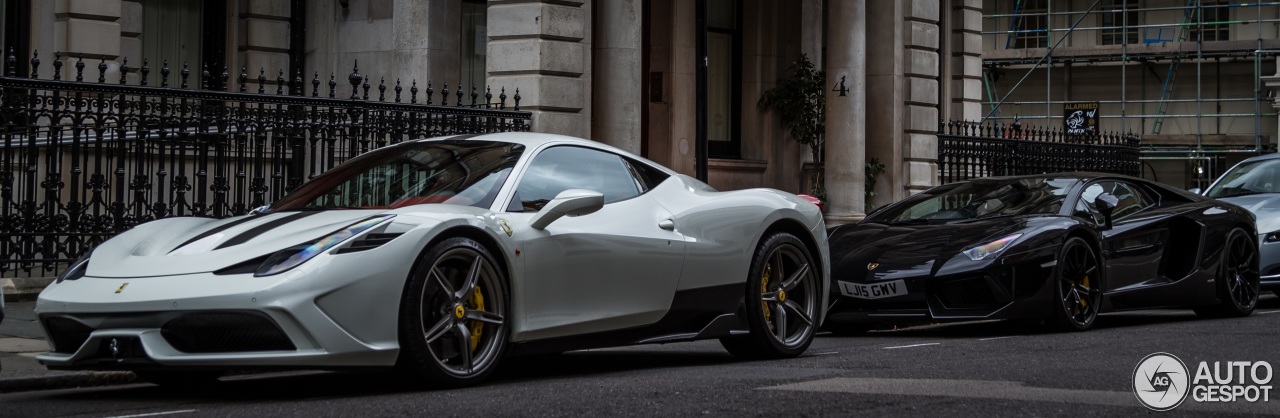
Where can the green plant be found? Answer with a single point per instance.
(799, 98)
(874, 168)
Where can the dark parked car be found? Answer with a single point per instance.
(1062, 246)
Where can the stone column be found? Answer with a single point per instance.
(616, 74)
(966, 59)
(845, 131)
(77, 29)
(920, 121)
(887, 54)
(542, 48)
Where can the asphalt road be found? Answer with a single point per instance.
(970, 369)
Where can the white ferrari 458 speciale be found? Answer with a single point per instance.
(442, 256)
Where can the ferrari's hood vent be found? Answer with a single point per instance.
(368, 242)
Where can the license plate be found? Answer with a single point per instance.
(873, 291)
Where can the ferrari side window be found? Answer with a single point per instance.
(562, 168)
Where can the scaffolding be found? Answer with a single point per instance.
(1143, 40)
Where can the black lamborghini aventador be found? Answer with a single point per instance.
(1062, 247)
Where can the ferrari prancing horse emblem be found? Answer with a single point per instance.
(121, 288)
(872, 266)
(505, 226)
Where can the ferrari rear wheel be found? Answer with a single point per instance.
(1238, 280)
(781, 300)
(1078, 285)
(180, 379)
(453, 316)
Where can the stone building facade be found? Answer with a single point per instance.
(623, 72)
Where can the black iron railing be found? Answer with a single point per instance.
(85, 160)
(970, 150)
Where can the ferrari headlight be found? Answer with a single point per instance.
(293, 256)
(1272, 237)
(991, 248)
(76, 269)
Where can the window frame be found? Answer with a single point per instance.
(1038, 14)
(1132, 20)
(731, 149)
(1218, 11)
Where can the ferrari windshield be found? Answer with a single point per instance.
(1262, 176)
(449, 172)
(978, 199)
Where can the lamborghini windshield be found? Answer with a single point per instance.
(979, 199)
(446, 172)
(1262, 176)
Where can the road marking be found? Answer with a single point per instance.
(824, 353)
(1266, 312)
(184, 411)
(996, 389)
(995, 338)
(912, 345)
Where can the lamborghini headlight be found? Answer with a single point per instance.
(991, 248)
(294, 256)
(76, 269)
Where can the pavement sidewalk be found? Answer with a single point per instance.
(21, 339)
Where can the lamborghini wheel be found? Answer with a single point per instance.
(781, 300)
(453, 316)
(1238, 279)
(1078, 285)
(179, 379)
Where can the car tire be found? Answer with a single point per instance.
(453, 315)
(179, 379)
(1077, 283)
(1238, 281)
(782, 300)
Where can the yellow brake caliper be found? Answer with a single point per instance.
(764, 288)
(1084, 302)
(477, 304)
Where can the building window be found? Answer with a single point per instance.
(724, 74)
(1209, 22)
(475, 38)
(15, 33)
(1030, 24)
(1119, 22)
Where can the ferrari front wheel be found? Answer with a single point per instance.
(1238, 281)
(453, 315)
(1078, 286)
(781, 300)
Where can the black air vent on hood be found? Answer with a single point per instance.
(368, 242)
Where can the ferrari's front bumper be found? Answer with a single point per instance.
(321, 315)
(1016, 286)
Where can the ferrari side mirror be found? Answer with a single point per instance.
(1195, 190)
(1106, 204)
(572, 202)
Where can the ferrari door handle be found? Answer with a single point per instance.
(667, 224)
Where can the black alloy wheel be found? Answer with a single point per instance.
(453, 317)
(1078, 284)
(781, 300)
(1238, 279)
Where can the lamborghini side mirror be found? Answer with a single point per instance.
(572, 202)
(1106, 204)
